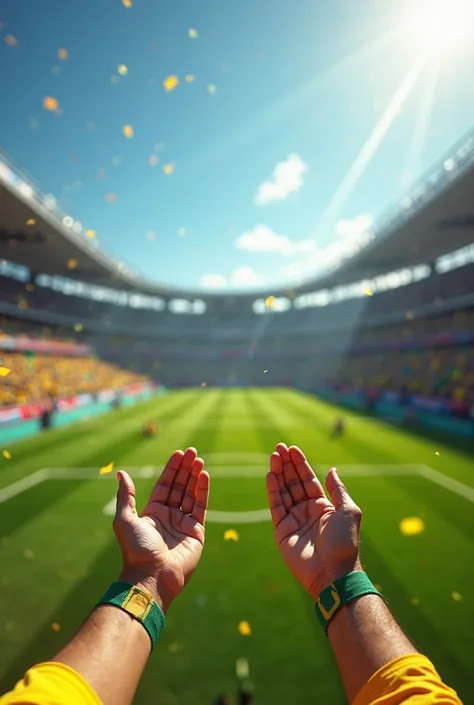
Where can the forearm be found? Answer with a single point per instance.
(364, 637)
(111, 649)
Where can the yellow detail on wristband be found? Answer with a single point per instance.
(336, 602)
(138, 603)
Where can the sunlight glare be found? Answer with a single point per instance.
(441, 25)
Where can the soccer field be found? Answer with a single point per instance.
(58, 552)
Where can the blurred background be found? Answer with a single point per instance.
(230, 225)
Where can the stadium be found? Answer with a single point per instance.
(367, 366)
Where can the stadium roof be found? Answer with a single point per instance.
(437, 217)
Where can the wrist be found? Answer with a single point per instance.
(333, 572)
(150, 584)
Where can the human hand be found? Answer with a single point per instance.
(318, 538)
(162, 547)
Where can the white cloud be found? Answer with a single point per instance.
(264, 239)
(246, 276)
(287, 178)
(351, 235)
(213, 281)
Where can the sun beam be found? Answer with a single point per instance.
(441, 26)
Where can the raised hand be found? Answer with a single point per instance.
(162, 546)
(318, 538)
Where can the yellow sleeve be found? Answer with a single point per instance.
(408, 680)
(51, 683)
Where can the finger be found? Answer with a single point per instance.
(282, 449)
(311, 485)
(181, 478)
(190, 491)
(126, 505)
(292, 480)
(338, 493)
(277, 508)
(202, 498)
(163, 486)
(276, 467)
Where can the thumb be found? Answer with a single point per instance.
(338, 493)
(125, 496)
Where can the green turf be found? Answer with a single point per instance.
(58, 554)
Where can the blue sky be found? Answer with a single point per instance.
(299, 88)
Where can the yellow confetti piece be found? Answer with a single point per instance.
(211, 89)
(56, 627)
(106, 469)
(170, 83)
(110, 197)
(127, 3)
(50, 104)
(122, 69)
(23, 304)
(152, 160)
(245, 628)
(231, 535)
(78, 327)
(437, 452)
(182, 232)
(189, 78)
(7, 455)
(412, 526)
(72, 263)
(90, 234)
(203, 384)
(62, 54)
(4, 371)
(11, 40)
(269, 301)
(415, 601)
(168, 169)
(28, 553)
(457, 597)
(31, 221)
(128, 131)
(368, 292)
(193, 33)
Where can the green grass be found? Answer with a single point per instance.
(71, 555)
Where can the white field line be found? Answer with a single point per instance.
(23, 485)
(455, 486)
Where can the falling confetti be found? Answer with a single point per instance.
(242, 670)
(412, 526)
(106, 469)
(122, 69)
(7, 455)
(211, 89)
(78, 327)
(170, 83)
(270, 300)
(4, 371)
(182, 232)
(415, 601)
(152, 160)
(265, 372)
(203, 384)
(245, 628)
(231, 535)
(168, 169)
(50, 103)
(127, 3)
(90, 234)
(72, 263)
(110, 197)
(128, 131)
(193, 33)
(189, 78)
(11, 40)
(457, 597)
(31, 221)
(55, 627)
(62, 54)
(436, 452)
(368, 292)
(28, 553)
(114, 79)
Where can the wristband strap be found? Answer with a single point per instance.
(139, 604)
(340, 593)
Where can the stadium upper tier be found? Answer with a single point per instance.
(434, 218)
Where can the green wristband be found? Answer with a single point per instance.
(340, 593)
(139, 604)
